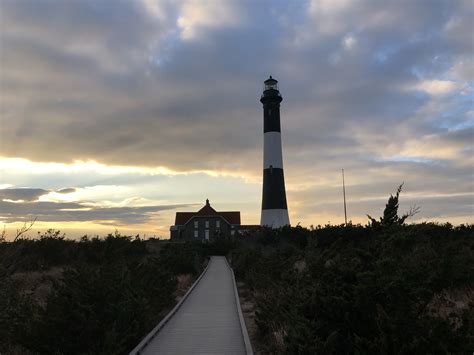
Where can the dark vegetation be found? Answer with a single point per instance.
(383, 288)
(390, 214)
(360, 290)
(102, 295)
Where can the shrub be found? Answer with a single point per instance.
(363, 290)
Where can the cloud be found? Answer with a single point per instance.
(112, 103)
(29, 194)
(450, 146)
(436, 87)
(79, 212)
(162, 89)
(349, 42)
(196, 14)
(22, 194)
(66, 190)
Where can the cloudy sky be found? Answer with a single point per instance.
(117, 114)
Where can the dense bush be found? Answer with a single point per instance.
(17, 313)
(110, 294)
(329, 289)
(53, 249)
(104, 309)
(183, 258)
(356, 289)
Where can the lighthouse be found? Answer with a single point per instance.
(274, 207)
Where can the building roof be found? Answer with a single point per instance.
(250, 226)
(232, 217)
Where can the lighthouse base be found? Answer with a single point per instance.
(275, 218)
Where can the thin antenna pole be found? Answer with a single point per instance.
(344, 193)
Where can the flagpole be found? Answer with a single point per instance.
(344, 193)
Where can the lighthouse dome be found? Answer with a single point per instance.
(270, 84)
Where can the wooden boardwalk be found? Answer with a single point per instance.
(208, 321)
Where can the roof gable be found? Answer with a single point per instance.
(231, 217)
(207, 210)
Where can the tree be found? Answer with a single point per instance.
(390, 214)
(26, 227)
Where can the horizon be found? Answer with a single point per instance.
(115, 117)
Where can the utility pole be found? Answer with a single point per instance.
(344, 194)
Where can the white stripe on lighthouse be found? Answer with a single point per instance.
(275, 218)
(272, 155)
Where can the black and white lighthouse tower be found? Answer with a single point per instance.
(274, 207)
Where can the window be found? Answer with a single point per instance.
(196, 224)
(218, 224)
(196, 234)
(207, 224)
(207, 234)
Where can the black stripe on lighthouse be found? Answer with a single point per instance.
(274, 195)
(271, 118)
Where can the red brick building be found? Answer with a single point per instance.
(205, 224)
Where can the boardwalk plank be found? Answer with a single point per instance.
(207, 322)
